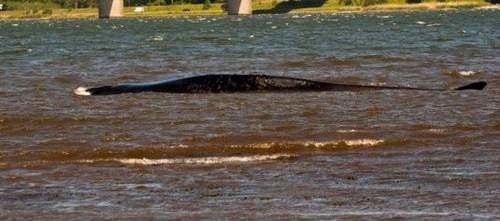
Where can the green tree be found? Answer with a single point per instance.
(206, 5)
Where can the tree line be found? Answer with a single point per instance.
(92, 3)
(49, 4)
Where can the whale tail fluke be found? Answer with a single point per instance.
(478, 85)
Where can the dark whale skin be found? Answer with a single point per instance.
(233, 83)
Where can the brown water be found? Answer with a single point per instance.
(329, 155)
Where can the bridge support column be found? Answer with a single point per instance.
(239, 7)
(110, 8)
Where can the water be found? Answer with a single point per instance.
(325, 155)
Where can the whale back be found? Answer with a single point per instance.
(236, 83)
(231, 83)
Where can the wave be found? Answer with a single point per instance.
(321, 62)
(189, 154)
(196, 160)
(462, 73)
(344, 62)
(314, 144)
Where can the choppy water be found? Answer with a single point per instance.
(383, 154)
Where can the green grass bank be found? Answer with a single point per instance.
(259, 7)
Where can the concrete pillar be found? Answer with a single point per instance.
(239, 7)
(110, 8)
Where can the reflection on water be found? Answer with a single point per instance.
(308, 155)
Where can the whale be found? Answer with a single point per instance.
(241, 83)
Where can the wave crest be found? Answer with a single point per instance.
(197, 160)
(207, 153)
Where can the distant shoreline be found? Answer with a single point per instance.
(215, 9)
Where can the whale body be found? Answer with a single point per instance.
(233, 83)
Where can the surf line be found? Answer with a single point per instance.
(235, 83)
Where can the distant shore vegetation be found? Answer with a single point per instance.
(18, 9)
(75, 4)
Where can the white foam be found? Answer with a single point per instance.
(467, 73)
(81, 91)
(363, 142)
(437, 130)
(315, 144)
(197, 160)
(104, 204)
(319, 144)
(256, 145)
(351, 143)
(131, 186)
(357, 142)
(347, 131)
(156, 38)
